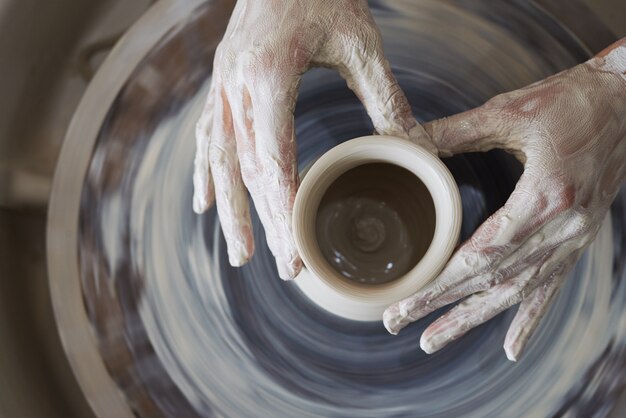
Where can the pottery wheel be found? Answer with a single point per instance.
(156, 323)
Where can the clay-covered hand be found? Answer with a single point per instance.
(569, 131)
(245, 136)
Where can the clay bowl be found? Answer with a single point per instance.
(375, 219)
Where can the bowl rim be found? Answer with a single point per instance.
(360, 301)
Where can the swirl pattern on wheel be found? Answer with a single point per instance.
(184, 334)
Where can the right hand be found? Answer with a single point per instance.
(569, 131)
(245, 136)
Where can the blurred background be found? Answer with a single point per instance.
(49, 50)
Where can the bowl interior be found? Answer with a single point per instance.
(372, 150)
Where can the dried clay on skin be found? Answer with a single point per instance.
(250, 143)
(569, 130)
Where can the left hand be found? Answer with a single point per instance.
(245, 136)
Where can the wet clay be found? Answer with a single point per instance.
(375, 222)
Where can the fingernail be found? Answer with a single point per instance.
(284, 272)
(288, 270)
(391, 319)
(432, 341)
(199, 204)
(512, 353)
(237, 259)
(427, 345)
(239, 253)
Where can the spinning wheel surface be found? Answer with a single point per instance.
(156, 322)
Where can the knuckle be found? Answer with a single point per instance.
(261, 60)
(202, 129)
(514, 297)
(224, 57)
(219, 53)
(526, 292)
(361, 48)
(248, 173)
(495, 278)
(218, 157)
(482, 258)
(439, 287)
(369, 44)
(564, 192)
(496, 103)
(583, 223)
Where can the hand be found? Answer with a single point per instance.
(569, 131)
(245, 136)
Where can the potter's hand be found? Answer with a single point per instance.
(245, 136)
(570, 133)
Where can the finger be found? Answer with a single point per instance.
(533, 308)
(557, 238)
(470, 313)
(483, 282)
(504, 295)
(277, 171)
(369, 76)
(232, 199)
(246, 149)
(470, 131)
(204, 194)
(525, 212)
(534, 253)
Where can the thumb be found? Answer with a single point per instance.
(371, 79)
(470, 131)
